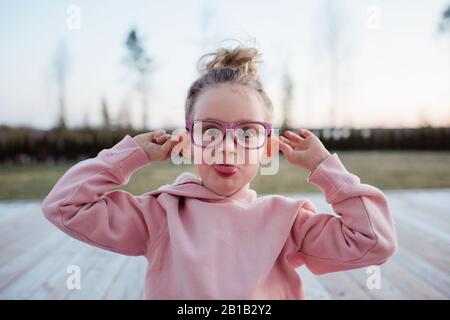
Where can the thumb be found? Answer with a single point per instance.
(168, 145)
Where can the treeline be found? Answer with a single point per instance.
(426, 138)
(28, 145)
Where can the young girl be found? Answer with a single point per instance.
(209, 236)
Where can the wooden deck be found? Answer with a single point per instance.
(34, 256)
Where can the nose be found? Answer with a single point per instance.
(228, 145)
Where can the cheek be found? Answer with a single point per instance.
(202, 169)
(249, 171)
(207, 174)
(252, 156)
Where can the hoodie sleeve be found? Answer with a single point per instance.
(362, 231)
(81, 205)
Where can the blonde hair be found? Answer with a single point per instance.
(234, 66)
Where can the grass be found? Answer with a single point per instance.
(385, 170)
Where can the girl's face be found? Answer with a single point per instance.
(229, 103)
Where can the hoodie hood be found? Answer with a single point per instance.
(190, 185)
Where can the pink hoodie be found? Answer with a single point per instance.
(200, 245)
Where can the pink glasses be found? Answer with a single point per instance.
(209, 133)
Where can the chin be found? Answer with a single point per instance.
(224, 186)
(223, 193)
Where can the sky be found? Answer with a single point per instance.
(393, 65)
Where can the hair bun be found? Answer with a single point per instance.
(241, 58)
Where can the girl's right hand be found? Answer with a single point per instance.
(156, 144)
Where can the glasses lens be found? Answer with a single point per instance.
(207, 134)
(251, 135)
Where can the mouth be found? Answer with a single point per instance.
(225, 170)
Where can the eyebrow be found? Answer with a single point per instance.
(229, 121)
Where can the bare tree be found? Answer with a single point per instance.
(444, 27)
(444, 24)
(123, 117)
(332, 34)
(60, 67)
(331, 25)
(140, 63)
(105, 114)
(287, 88)
(86, 122)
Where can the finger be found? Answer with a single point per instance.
(285, 148)
(162, 138)
(305, 133)
(157, 138)
(157, 133)
(168, 146)
(293, 136)
(287, 141)
(283, 142)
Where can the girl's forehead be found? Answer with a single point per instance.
(229, 103)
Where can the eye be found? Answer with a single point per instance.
(212, 131)
(247, 133)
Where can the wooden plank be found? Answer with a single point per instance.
(387, 291)
(341, 286)
(98, 278)
(130, 281)
(437, 238)
(11, 210)
(314, 289)
(23, 262)
(31, 234)
(425, 245)
(432, 205)
(429, 272)
(437, 199)
(19, 276)
(54, 286)
(17, 227)
(414, 287)
(429, 218)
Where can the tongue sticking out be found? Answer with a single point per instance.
(225, 170)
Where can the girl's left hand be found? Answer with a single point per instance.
(306, 152)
